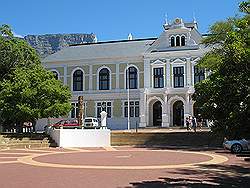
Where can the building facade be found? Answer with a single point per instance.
(149, 80)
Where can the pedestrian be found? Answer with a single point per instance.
(187, 123)
(190, 122)
(199, 121)
(194, 123)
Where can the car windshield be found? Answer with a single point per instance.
(88, 120)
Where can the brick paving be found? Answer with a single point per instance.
(233, 172)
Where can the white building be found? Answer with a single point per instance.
(161, 75)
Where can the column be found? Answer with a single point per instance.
(90, 77)
(147, 75)
(117, 76)
(165, 115)
(143, 106)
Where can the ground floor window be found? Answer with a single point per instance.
(104, 106)
(75, 110)
(133, 109)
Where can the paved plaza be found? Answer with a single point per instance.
(121, 167)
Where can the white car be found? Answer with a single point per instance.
(91, 122)
(237, 146)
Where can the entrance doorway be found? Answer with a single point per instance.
(157, 114)
(178, 113)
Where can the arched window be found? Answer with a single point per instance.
(104, 79)
(183, 41)
(131, 78)
(78, 80)
(56, 76)
(177, 41)
(172, 41)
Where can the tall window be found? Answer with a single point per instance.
(172, 41)
(56, 76)
(199, 74)
(74, 111)
(133, 109)
(104, 79)
(104, 106)
(183, 41)
(78, 80)
(158, 78)
(179, 76)
(177, 41)
(131, 78)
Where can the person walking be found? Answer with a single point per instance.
(199, 121)
(187, 123)
(194, 123)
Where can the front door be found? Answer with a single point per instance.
(178, 113)
(157, 114)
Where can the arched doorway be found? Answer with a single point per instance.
(178, 113)
(157, 114)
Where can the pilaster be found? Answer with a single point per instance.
(90, 77)
(65, 73)
(147, 73)
(117, 75)
(168, 73)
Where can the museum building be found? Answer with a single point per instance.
(150, 80)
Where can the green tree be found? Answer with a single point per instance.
(27, 90)
(224, 96)
(14, 52)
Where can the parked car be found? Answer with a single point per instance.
(237, 146)
(66, 124)
(91, 122)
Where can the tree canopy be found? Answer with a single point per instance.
(224, 95)
(27, 90)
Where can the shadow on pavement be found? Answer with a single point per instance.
(202, 176)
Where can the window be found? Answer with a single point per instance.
(56, 76)
(132, 78)
(177, 41)
(104, 106)
(158, 78)
(78, 80)
(133, 109)
(199, 74)
(74, 111)
(179, 76)
(172, 41)
(104, 79)
(183, 41)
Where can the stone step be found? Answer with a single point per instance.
(16, 141)
(25, 145)
(168, 139)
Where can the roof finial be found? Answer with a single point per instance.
(166, 19)
(130, 37)
(194, 19)
(95, 39)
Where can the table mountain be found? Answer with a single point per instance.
(51, 43)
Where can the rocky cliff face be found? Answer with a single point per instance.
(51, 43)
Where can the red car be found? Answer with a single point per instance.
(66, 124)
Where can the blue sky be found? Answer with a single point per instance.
(110, 19)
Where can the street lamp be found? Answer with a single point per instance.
(128, 85)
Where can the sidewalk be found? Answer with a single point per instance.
(162, 130)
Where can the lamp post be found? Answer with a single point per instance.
(128, 85)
